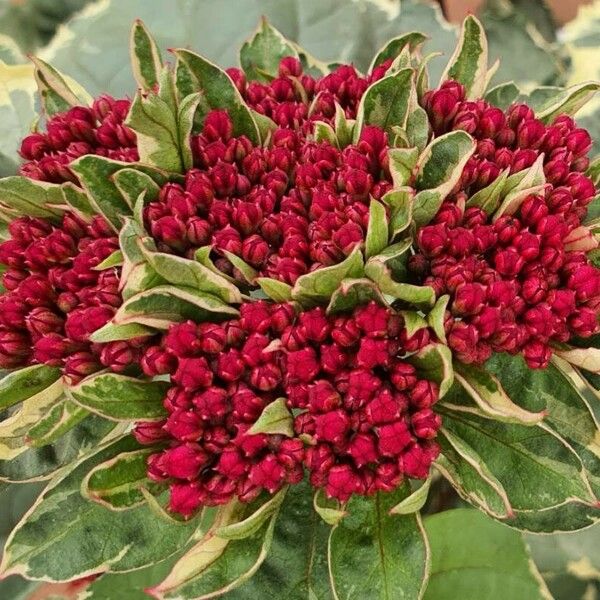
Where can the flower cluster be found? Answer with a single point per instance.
(285, 210)
(517, 282)
(363, 411)
(76, 132)
(55, 298)
(295, 99)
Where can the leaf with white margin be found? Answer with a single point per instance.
(261, 54)
(503, 95)
(132, 182)
(385, 103)
(436, 317)
(400, 204)
(438, 170)
(402, 162)
(116, 482)
(584, 358)
(218, 91)
(113, 333)
(392, 49)
(568, 102)
(373, 554)
(344, 127)
(354, 292)
(251, 523)
(377, 236)
(323, 132)
(25, 383)
(488, 393)
(57, 95)
(160, 306)
(31, 198)
(146, 60)
(489, 197)
(434, 362)
(60, 419)
(121, 398)
(415, 502)
(65, 537)
(469, 63)
(275, 419)
(279, 291)
(329, 509)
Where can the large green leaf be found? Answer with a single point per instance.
(473, 557)
(25, 383)
(375, 555)
(65, 536)
(328, 29)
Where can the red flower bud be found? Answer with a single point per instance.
(537, 355)
(302, 366)
(193, 374)
(183, 462)
(393, 438)
(425, 423)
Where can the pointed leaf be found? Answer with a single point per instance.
(377, 230)
(584, 358)
(439, 168)
(489, 395)
(435, 363)
(344, 127)
(469, 63)
(373, 554)
(218, 91)
(503, 95)
(121, 398)
(112, 260)
(146, 60)
(385, 103)
(112, 333)
(392, 49)
(352, 293)
(65, 537)
(30, 197)
(132, 182)
(319, 285)
(329, 509)
(413, 322)
(436, 317)
(278, 291)
(414, 502)
(185, 124)
(489, 197)
(251, 523)
(261, 54)
(61, 418)
(26, 383)
(275, 419)
(323, 132)
(402, 162)
(568, 102)
(116, 482)
(162, 305)
(400, 202)
(249, 273)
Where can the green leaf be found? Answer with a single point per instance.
(261, 54)
(438, 169)
(344, 127)
(132, 182)
(323, 132)
(116, 482)
(434, 362)
(436, 317)
(385, 103)
(218, 91)
(472, 557)
(59, 420)
(112, 260)
(569, 102)
(112, 333)
(249, 273)
(278, 291)
(377, 230)
(192, 274)
(491, 398)
(162, 305)
(469, 63)
(146, 60)
(30, 197)
(25, 383)
(584, 358)
(121, 398)
(373, 554)
(156, 127)
(402, 162)
(95, 174)
(392, 49)
(414, 502)
(319, 285)
(400, 203)
(275, 419)
(329, 509)
(503, 95)
(352, 293)
(489, 197)
(65, 537)
(252, 523)
(185, 124)
(54, 91)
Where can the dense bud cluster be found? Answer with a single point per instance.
(76, 132)
(521, 281)
(363, 412)
(55, 298)
(295, 99)
(285, 210)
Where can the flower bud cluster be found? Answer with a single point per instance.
(295, 99)
(519, 282)
(55, 299)
(285, 210)
(364, 413)
(80, 130)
